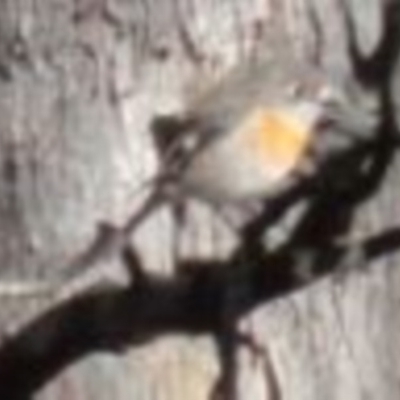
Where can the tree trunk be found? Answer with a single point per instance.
(79, 83)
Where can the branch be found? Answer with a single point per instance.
(194, 303)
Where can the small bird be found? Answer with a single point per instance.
(253, 160)
(247, 138)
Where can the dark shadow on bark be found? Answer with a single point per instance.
(113, 319)
(198, 302)
(209, 298)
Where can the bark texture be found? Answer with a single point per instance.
(79, 83)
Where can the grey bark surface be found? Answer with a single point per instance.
(79, 83)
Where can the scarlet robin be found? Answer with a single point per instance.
(242, 141)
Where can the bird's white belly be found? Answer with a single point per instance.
(230, 171)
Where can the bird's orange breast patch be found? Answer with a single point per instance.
(277, 137)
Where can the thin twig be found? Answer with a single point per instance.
(109, 241)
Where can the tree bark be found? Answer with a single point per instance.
(79, 84)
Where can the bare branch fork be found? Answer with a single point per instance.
(111, 319)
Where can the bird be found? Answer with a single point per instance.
(246, 139)
(254, 159)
